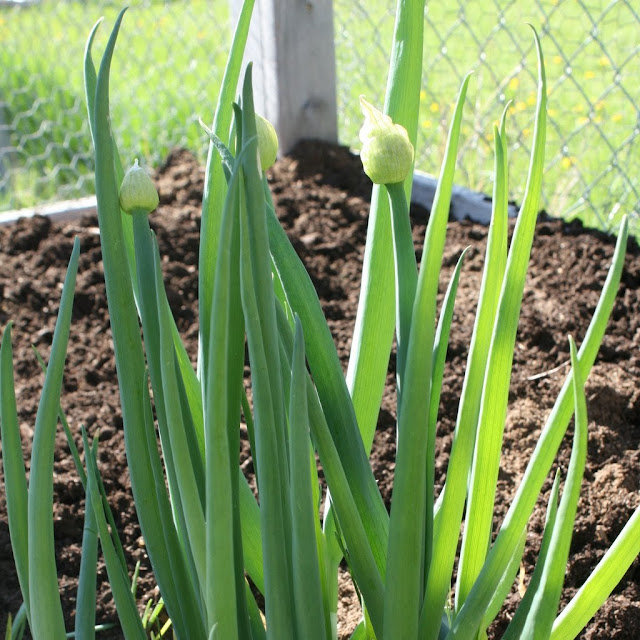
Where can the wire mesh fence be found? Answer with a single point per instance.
(592, 55)
(170, 62)
(168, 66)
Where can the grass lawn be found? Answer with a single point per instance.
(593, 147)
(174, 53)
(168, 70)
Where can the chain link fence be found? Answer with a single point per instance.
(592, 56)
(170, 58)
(166, 72)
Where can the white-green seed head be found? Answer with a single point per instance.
(387, 152)
(267, 142)
(137, 192)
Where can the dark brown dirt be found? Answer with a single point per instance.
(322, 200)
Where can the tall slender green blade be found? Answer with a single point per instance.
(542, 458)
(546, 598)
(406, 274)
(148, 303)
(514, 630)
(46, 618)
(154, 511)
(310, 621)
(441, 344)
(15, 479)
(332, 390)
(86, 601)
(258, 302)
(504, 585)
(225, 579)
(90, 77)
(65, 425)
(495, 393)
(601, 582)
(362, 562)
(187, 494)
(450, 504)
(118, 579)
(215, 183)
(405, 562)
(373, 332)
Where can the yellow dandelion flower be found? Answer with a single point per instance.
(557, 60)
(599, 106)
(514, 83)
(616, 117)
(526, 132)
(434, 108)
(567, 162)
(582, 120)
(589, 75)
(427, 124)
(531, 100)
(604, 61)
(520, 105)
(552, 113)
(423, 94)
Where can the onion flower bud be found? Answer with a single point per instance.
(267, 142)
(137, 192)
(387, 152)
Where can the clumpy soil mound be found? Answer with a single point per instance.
(322, 200)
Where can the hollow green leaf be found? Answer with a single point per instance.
(602, 581)
(271, 449)
(515, 628)
(86, 600)
(543, 455)
(373, 332)
(406, 274)
(15, 480)
(118, 579)
(495, 392)
(46, 620)
(225, 595)
(505, 584)
(405, 561)
(544, 605)
(147, 480)
(450, 504)
(214, 183)
(331, 387)
(441, 343)
(310, 620)
(186, 481)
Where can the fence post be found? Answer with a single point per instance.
(292, 49)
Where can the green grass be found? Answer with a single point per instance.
(592, 148)
(592, 141)
(45, 107)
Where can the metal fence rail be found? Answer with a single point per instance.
(177, 48)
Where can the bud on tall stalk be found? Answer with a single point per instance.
(138, 193)
(267, 142)
(387, 152)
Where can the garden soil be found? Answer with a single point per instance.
(322, 200)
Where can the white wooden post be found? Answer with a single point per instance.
(291, 46)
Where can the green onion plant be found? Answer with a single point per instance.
(213, 545)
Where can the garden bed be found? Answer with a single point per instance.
(321, 196)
